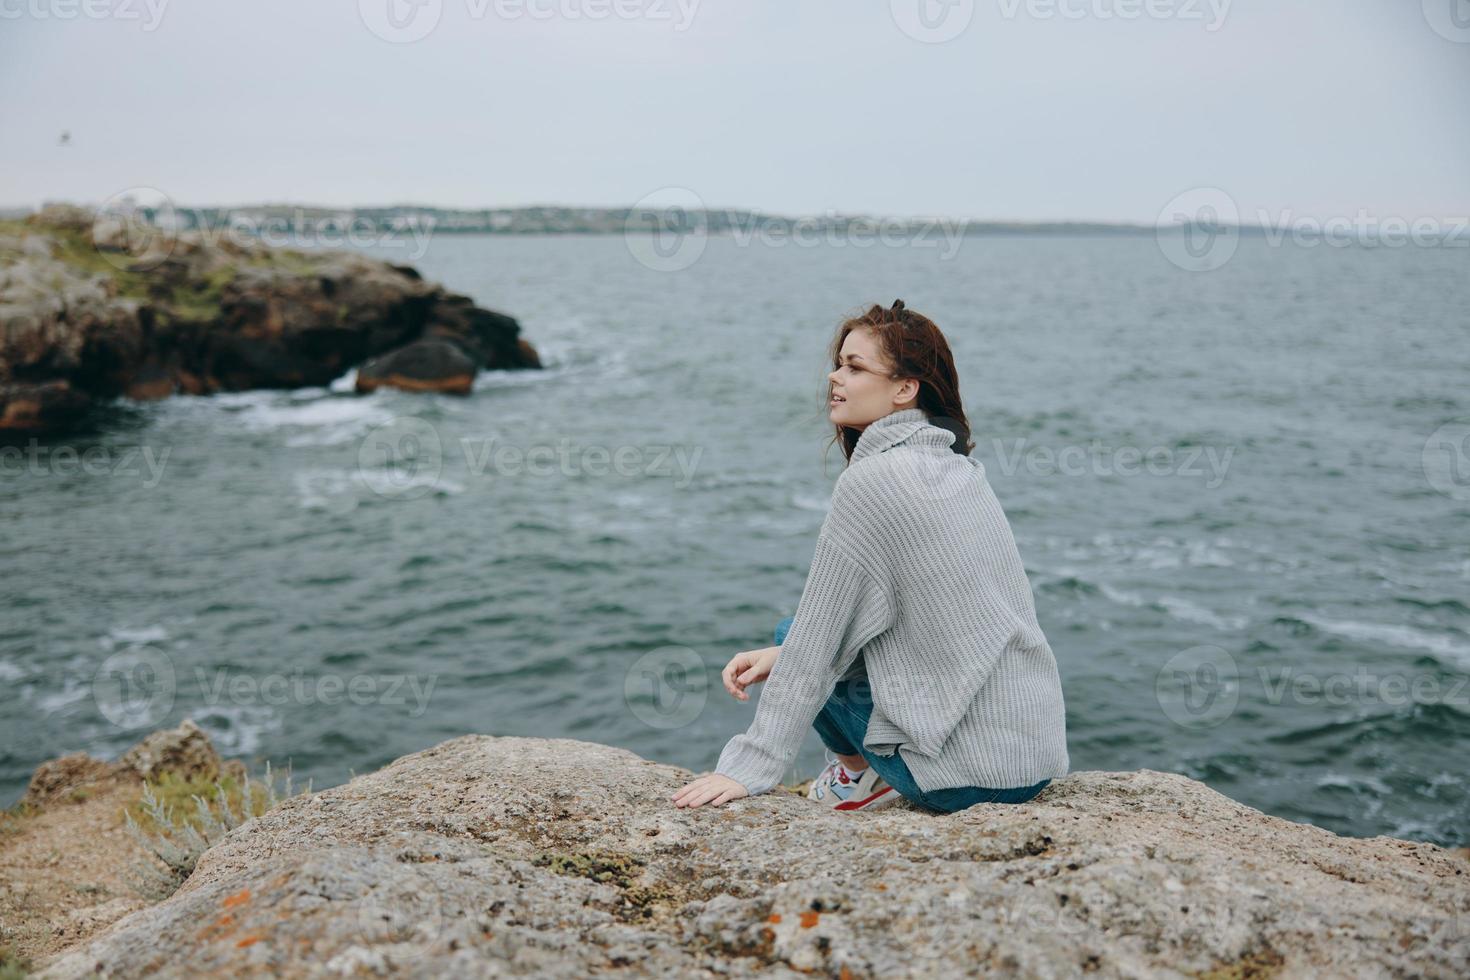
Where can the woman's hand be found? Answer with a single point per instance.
(710, 788)
(749, 667)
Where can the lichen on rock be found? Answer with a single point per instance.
(554, 857)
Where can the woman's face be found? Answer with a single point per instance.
(861, 391)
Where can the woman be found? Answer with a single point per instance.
(915, 651)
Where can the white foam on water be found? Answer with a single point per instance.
(1120, 597)
(1333, 780)
(812, 502)
(1190, 613)
(74, 688)
(243, 729)
(334, 491)
(11, 671)
(1406, 637)
(132, 636)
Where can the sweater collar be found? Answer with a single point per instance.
(911, 424)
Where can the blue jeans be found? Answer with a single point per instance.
(843, 723)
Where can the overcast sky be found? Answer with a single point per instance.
(987, 109)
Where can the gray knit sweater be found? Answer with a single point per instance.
(916, 570)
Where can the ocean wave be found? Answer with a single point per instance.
(1187, 611)
(1406, 637)
(237, 729)
(132, 636)
(1372, 784)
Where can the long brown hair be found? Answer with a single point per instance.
(917, 349)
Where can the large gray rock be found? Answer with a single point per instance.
(558, 858)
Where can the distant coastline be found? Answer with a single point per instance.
(560, 220)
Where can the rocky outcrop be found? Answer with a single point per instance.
(88, 310)
(492, 856)
(185, 751)
(68, 865)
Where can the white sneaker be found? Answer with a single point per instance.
(843, 790)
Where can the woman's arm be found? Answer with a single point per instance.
(842, 608)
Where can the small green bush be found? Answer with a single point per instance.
(178, 833)
(13, 966)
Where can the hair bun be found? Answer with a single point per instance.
(897, 305)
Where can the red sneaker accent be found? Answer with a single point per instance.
(859, 804)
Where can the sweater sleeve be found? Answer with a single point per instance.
(842, 608)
